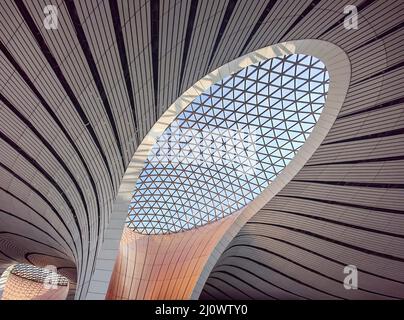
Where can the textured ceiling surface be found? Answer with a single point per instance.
(226, 147)
(77, 101)
(40, 275)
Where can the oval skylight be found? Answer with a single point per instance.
(37, 274)
(228, 145)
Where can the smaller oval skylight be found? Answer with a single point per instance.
(40, 275)
(226, 146)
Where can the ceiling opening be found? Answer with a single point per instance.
(228, 144)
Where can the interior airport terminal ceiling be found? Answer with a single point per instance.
(109, 115)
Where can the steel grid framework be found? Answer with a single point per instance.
(40, 275)
(229, 143)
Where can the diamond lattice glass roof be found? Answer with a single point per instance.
(227, 146)
(40, 275)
